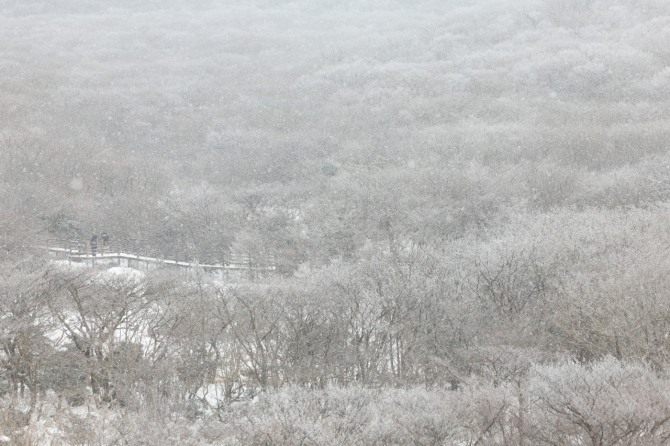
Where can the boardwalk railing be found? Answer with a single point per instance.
(235, 266)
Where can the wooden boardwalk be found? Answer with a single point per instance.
(235, 268)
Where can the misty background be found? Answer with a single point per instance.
(172, 123)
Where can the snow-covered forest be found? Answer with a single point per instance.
(461, 209)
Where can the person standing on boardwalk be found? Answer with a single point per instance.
(94, 245)
(105, 242)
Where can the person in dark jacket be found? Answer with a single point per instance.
(94, 245)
